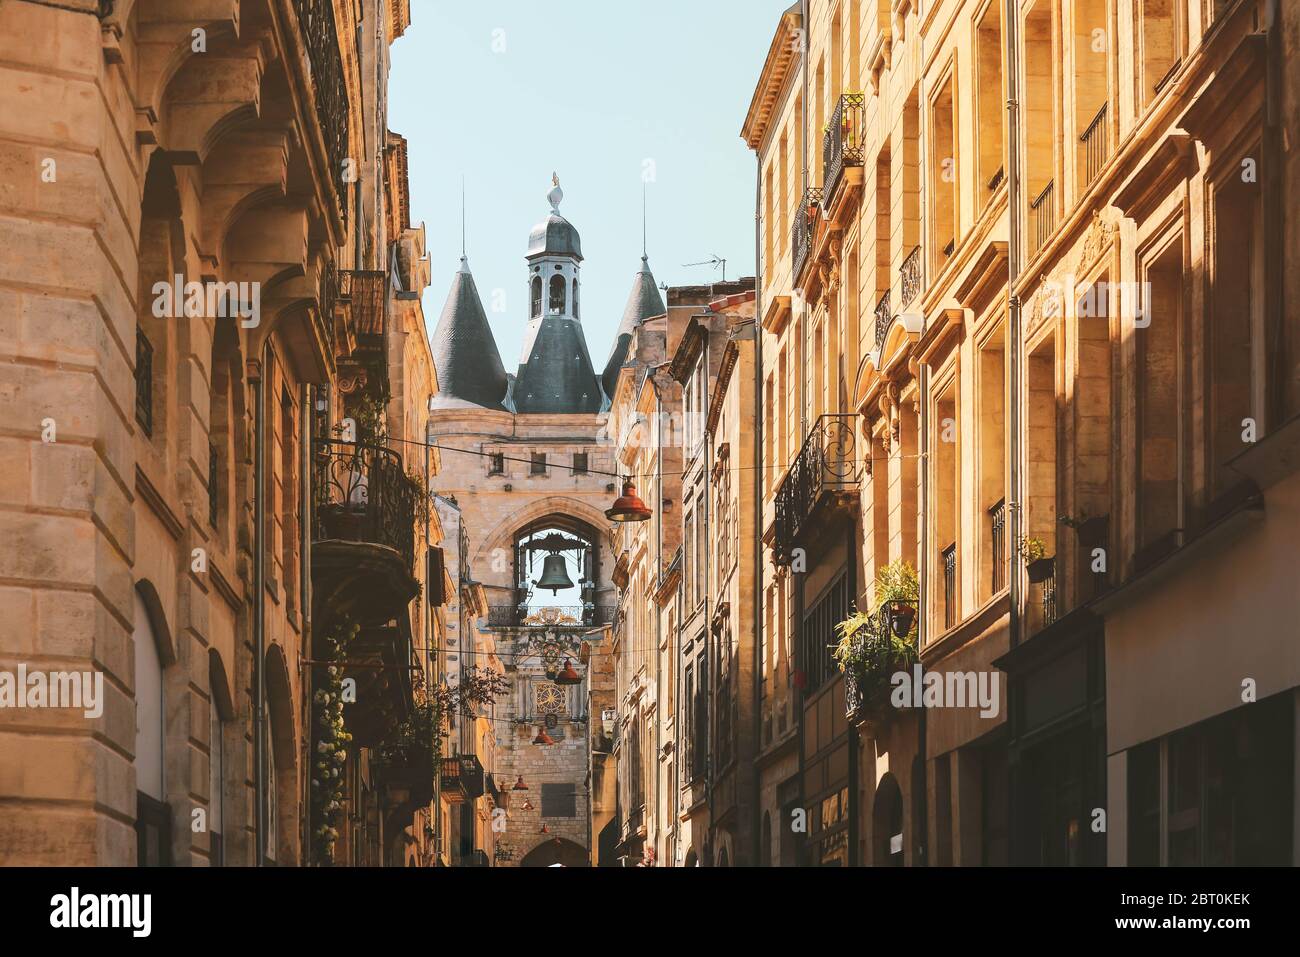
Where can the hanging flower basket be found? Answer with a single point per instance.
(1041, 569)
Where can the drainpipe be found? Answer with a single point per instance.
(922, 631)
(1274, 196)
(759, 480)
(805, 112)
(304, 545)
(259, 606)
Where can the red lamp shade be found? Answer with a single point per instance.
(520, 785)
(628, 507)
(543, 737)
(545, 829)
(567, 675)
(528, 806)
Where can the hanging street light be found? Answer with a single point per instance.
(628, 507)
(543, 737)
(520, 785)
(567, 676)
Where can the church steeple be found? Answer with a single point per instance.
(555, 371)
(643, 302)
(464, 350)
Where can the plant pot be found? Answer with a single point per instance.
(342, 522)
(1040, 570)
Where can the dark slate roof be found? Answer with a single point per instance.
(464, 352)
(557, 375)
(554, 236)
(643, 302)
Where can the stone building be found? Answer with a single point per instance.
(209, 265)
(526, 459)
(1008, 349)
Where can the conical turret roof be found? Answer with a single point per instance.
(464, 351)
(643, 302)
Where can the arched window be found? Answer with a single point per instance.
(556, 303)
(153, 817)
(576, 314)
(536, 309)
(216, 797)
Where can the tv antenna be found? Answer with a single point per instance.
(715, 261)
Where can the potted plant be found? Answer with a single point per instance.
(872, 647)
(898, 588)
(1038, 563)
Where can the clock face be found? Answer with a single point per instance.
(550, 700)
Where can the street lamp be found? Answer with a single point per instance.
(628, 507)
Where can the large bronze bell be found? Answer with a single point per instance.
(554, 574)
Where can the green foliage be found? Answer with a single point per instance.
(897, 582)
(331, 743)
(867, 648)
(1032, 549)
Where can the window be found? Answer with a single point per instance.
(497, 464)
(288, 496)
(989, 105)
(216, 798)
(153, 816)
(700, 726)
(818, 634)
(576, 314)
(559, 800)
(1159, 427)
(688, 720)
(579, 463)
(536, 296)
(1160, 46)
(555, 301)
(1039, 123)
(539, 464)
(144, 382)
(689, 559)
(943, 176)
(1091, 75)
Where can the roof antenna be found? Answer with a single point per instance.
(715, 261)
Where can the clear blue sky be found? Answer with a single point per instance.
(590, 89)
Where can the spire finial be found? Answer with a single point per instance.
(556, 194)
(644, 256)
(462, 218)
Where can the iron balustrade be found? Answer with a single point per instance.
(366, 290)
(144, 381)
(949, 559)
(1043, 213)
(883, 319)
(462, 777)
(320, 37)
(801, 232)
(842, 144)
(1096, 145)
(910, 276)
(213, 499)
(363, 495)
(998, 538)
(827, 462)
(1049, 598)
(996, 179)
(550, 616)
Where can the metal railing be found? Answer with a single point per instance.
(1042, 212)
(213, 495)
(1048, 586)
(949, 558)
(842, 144)
(910, 277)
(462, 777)
(363, 495)
(827, 462)
(549, 616)
(801, 230)
(1096, 146)
(998, 539)
(320, 37)
(883, 319)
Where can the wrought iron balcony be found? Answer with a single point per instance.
(875, 657)
(143, 381)
(1042, 214)
(998, 539)
(883, 318)
(320, 36)
(801, 231)
(550, 616)
(825, 469)
(366, 291)
(1096, 146)
(949, 558)
(1048, 586)
(462, 778)
(842, 144)
(363, 495)
(910, 277)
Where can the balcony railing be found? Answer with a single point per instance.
(462, 778)
(214, 499)
(1048, 586)
(320, 36)
(1096, 146)
(550, 616)
(883, 318)
(827, 464)
(801, 232)
(144, 381)
(910, 277)
(998, 538)
(366, 290)
(842, 144)
(949, 558)
(1042, 215)
(363, 495)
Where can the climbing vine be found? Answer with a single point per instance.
(331, 737)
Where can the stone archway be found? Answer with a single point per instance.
(556, 850)
(887, 823)
(281, 757)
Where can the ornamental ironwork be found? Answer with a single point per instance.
(883, 318)
(842, 144)
(363, 495)
(320, 36)
(909, 275)
(826, 464)
(801, 231)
